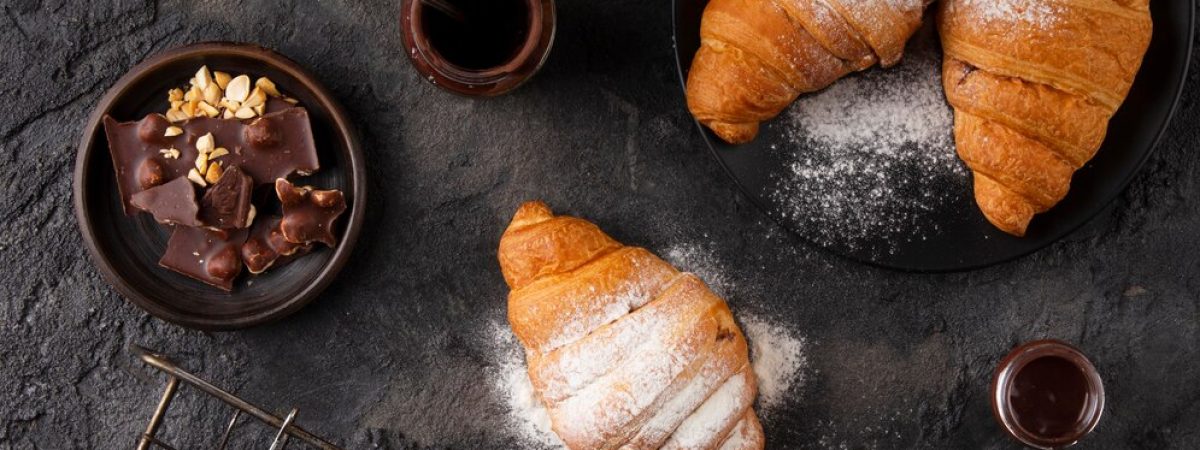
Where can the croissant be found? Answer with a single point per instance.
(624, 350)
(1033, 84)
(757, 56)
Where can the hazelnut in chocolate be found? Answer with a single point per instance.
(309, 214)
(266, 247)
(209, 256)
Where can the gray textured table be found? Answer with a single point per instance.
(393, 354)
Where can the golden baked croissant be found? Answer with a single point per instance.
(1033, 84)
(757, 56)
(623, 350)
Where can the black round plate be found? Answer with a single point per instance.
(126, 249)
(962, 239)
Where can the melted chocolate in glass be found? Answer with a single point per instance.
(487, 33)
(1048, 397)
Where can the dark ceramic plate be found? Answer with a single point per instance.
(963, 239)
(126, 249)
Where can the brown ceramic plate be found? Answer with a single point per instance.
(126, 249)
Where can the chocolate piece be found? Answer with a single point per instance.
(171, 203)
(308, 214)
(266, 246)
(286, 148)
(226, 204)
(209, 256)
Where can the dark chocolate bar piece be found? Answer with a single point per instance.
(172, 203)
(227, 203)
(309, 214)
(209, 256)
(273, 146)
(266, 246)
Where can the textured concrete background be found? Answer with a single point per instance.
(393, 354)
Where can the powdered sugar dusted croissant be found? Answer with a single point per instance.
(623, 350)
(1033, 84)
(757, 56)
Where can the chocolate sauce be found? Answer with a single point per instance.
(477, 47)
(1048, 396)
(481, 34)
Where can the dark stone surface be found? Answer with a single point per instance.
(392, 355)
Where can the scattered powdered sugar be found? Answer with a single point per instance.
(871, 156)
(779, 360)
(700, 261)
(531, 420)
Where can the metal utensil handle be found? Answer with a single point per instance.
(175, 374)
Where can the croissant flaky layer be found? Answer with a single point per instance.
(757, 56)
(1033, 84)
(624, 350)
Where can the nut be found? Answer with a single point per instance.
(244, 113)
(261, 134)
(173, 131)
(176, 115)
(260, 109)
(212, 94)
(291, 100)
(250, 215)
(176, 104)
(225, 264)
(238, 88)
(175, 95)
(150, 129)
(267, 86)
(205, 143)
(194, 176)
(324, 199)
(189, 108)
(192, 94)
(222, 79)
(228, 114)
(209, 110)
(150, 174)
(169, 153)
(218, 152)
(214, 173)
(202, 162)
(203, 78)
(256, 98)
(229, 104)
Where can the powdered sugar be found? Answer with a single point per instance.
(1040, 15)
(871, 156)
(713, 415)
(700, 261)
(779, 359)
(531, 421)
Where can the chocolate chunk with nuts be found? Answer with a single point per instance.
(266, 247)
(227, 204)
(209, 256)
(171, 203)
(151, 151)
(308, 214)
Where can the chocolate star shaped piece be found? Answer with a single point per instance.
(308, 214)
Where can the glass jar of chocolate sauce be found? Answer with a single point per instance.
(1047, 394)
(477, 47)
